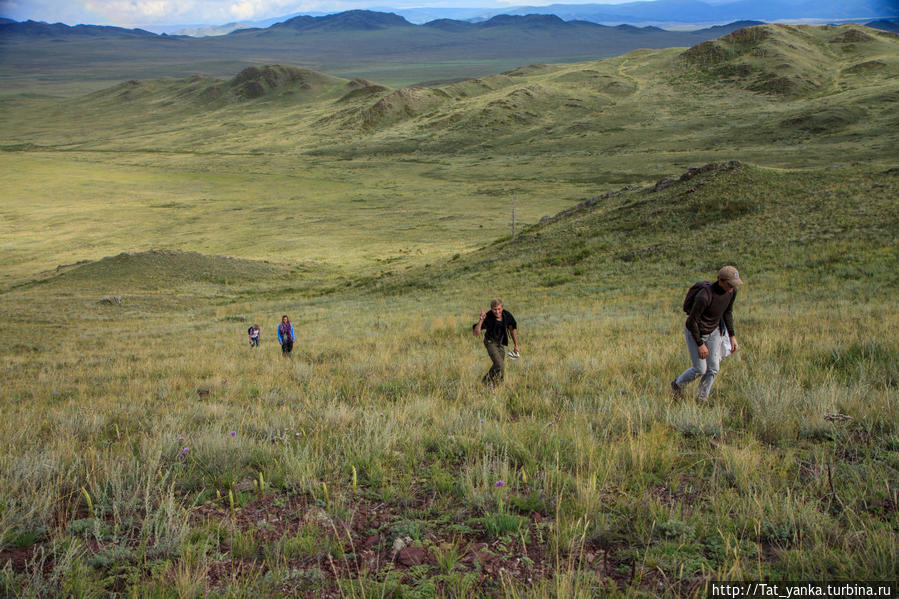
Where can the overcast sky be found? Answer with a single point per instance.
(131, 13)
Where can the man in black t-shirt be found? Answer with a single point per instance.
(712, 309)
(495, 323)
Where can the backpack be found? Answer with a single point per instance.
(690, 299)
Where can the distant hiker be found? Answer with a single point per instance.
(495, 324)
(285, 336)
(253, 332)
(709, 308)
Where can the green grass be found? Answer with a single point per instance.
(377, 450)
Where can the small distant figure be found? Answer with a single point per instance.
(495, 324)
(253, 332)
(709, 308)
(285, 336)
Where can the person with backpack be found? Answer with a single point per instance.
(286, 336)
(709, 308)
(253, 332)
(495, 324)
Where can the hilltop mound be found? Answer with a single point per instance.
(852, 36)
(252, 83)
(361, 88)
(774, 59)
(402, 104)
(782, 59)
(255, 82)
(163, 269)
(778, 59)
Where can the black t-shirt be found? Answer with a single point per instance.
(495, 330)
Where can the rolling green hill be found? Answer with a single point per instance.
(332, 153)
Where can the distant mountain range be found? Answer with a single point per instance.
(374, 45)
(357, 20)
(663, 13)
(364, 20)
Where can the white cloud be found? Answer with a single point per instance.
(139, 11)
(245, 9)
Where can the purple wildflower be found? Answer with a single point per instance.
(499, 483)
(481, 421)
(185, 451)
(233, 433)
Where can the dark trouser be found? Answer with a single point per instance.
(498, 355)
(286, 348)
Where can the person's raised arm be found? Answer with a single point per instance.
(476, 330)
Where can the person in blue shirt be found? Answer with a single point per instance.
(285, 336)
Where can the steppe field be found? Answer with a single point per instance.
(148, 451)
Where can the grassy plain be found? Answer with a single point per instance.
(154, 454)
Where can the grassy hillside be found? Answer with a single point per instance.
(295, 165)
(151, 452)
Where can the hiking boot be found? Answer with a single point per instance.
(676, 392)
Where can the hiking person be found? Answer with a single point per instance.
(709, 308)
(253, 332)
(285, 336)
(495, 323)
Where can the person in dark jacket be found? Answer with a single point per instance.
(285, 336)
(712, 308)
(495, 324)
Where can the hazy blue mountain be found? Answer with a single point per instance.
(39, 28)
(351, 20)
(697, 11)
(885, 25)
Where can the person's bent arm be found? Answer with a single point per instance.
(699, 305)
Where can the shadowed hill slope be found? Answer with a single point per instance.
(833, 227)
(786, 60)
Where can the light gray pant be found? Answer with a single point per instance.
(707, 369)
